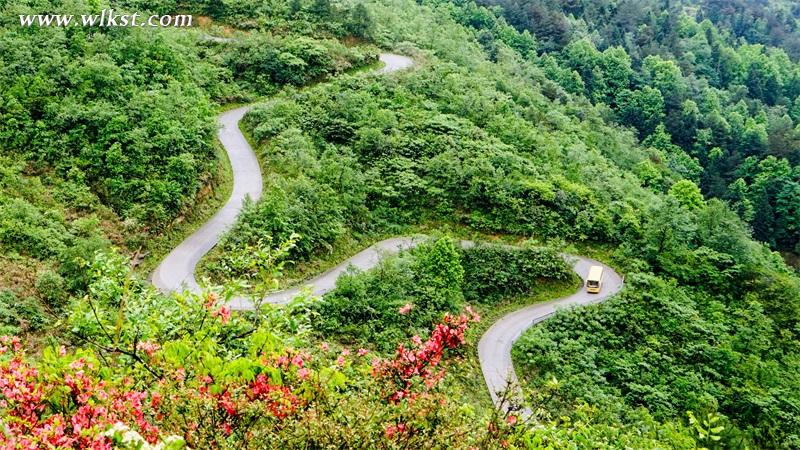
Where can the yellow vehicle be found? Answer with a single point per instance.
(594, 281)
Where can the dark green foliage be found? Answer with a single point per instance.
(359, 23)
(494, 272)
(433, 278)
(51, 288)
(365, 165)
(264, 63)
(19, 315)
(698, 74)
(77, 103)
(365, 307)
(292, 206)
(672, 349)
(106, 134)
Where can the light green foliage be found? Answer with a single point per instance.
(365, 307)
(503, 131)
(108, 134)
(687, 194)
(20, 315)
(439, 277)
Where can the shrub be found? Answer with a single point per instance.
(19, 315)
(51, 288)
(397, 299)
(492, 272)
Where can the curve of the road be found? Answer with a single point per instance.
(176, 270)
(494, 348)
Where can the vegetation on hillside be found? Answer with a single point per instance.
(713, 85)
(485, 135)
(107, 134)
(668, 146)
(406, 293)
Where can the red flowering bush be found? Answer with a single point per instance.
(182, 371)
(210, 390)
(419, 364)
(69, 407)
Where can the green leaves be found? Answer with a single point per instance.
(708, 429)
(495, 272)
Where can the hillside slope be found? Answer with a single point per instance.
(487, 135)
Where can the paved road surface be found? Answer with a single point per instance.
(176, 270)
(325, 282)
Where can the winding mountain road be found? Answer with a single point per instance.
(176, 270)
(494, 348)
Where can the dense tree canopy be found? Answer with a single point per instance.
(722, 77)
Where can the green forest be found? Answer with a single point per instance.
(659, 137)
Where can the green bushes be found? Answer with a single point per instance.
(289, 206)
(406, 293)
(402, 153)
(493, 272)
(70, 108)
(266, 62)
(20, 315)
(670, 349)
(107, 134)
(401, 297)
(26, 229)
(51, 288)
(129, 113)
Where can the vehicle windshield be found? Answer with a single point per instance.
(591, 283)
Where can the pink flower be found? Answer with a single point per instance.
(405, 309)
(324, 346)
(340, 361)
(303, 373)
(297, 360)
(78, 364)
(512, 420)
(416, 340)
(362, 352)
(391, 430)
(150, 348)
(475, 317)
(211, 299)
(345, 351)
(224, 312)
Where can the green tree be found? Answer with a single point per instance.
(359, 22)
(321, 9)
(643, 109)
(687, 194)
(440, 276)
